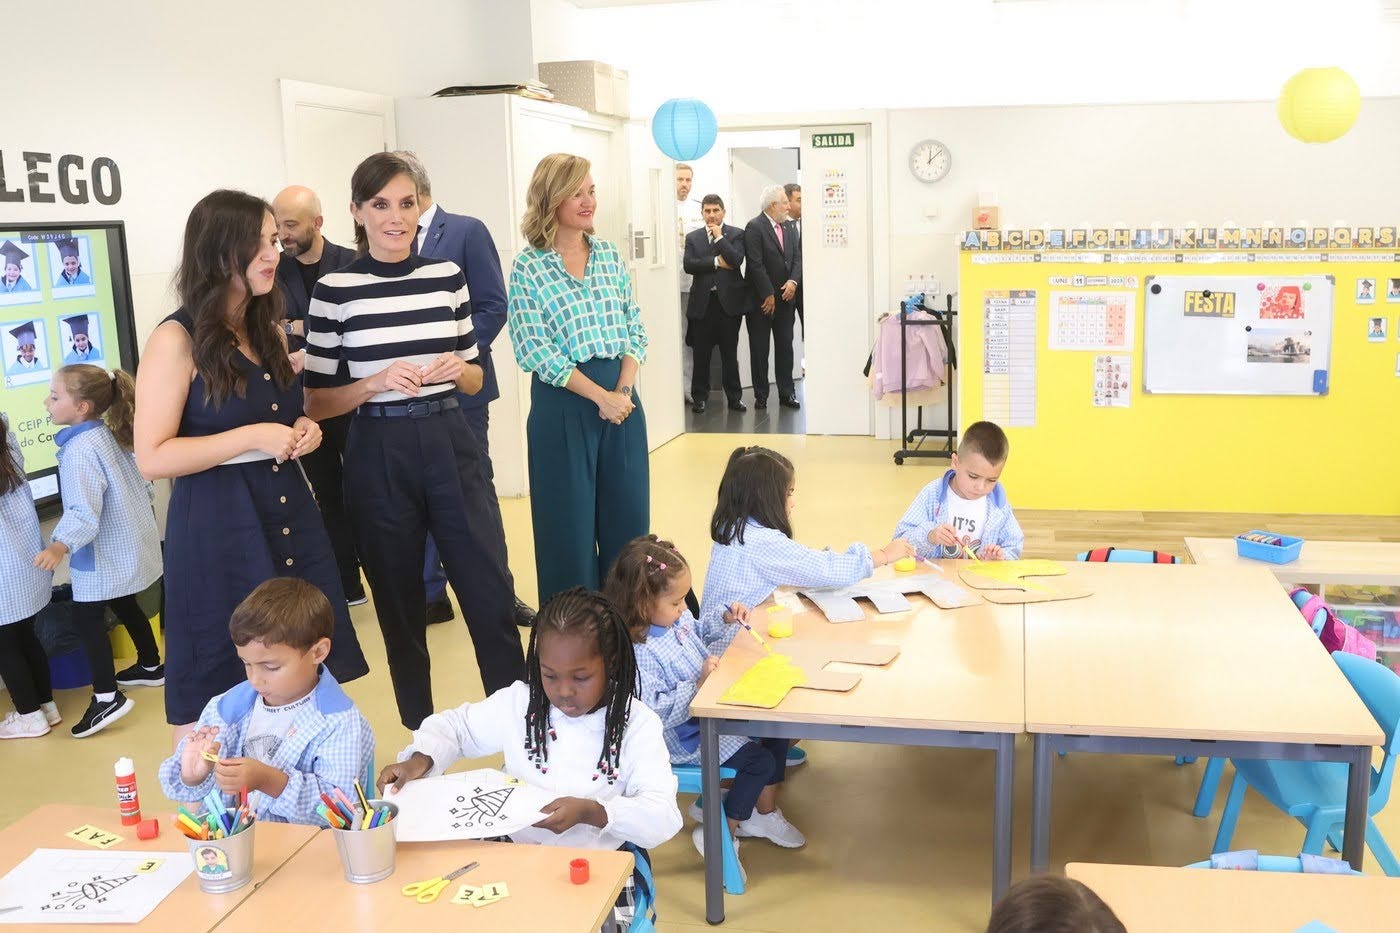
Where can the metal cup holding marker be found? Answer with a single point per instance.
(367, 855)
(223, 865)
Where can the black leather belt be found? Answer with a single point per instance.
(416, 409)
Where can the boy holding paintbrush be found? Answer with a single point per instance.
(288, 734)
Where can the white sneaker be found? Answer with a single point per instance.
(23, 726)
(696, 814)
(698, 837)
(774, 827)
(51, 714)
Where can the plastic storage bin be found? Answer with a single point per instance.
(1284, 553)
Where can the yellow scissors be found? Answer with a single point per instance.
(425, 892)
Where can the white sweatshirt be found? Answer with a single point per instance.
(641, 804)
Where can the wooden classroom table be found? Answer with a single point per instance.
(187, 908)
(1346, 562)
(1168, 900)
(311, 893)
(1187, 659)
(958, 682)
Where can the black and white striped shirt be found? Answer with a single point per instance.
(371, 313)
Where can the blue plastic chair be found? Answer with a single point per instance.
(1314, 792)
(1127, 555)
(1284, 863)
(688, 782)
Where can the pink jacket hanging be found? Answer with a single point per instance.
(926, 360)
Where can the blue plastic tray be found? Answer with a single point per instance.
(1285, 553)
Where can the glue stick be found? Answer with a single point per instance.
(128, 804)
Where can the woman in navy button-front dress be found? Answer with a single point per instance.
(220, 412)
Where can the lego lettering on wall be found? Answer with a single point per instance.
(45, 177)
(1183, 238)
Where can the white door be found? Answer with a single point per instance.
(838, 277)
(751, 170)
(655, 266)
(326, 132)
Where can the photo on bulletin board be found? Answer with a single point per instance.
(26, 353)
(1365, 291)
(81, 338)
(1278, 345)
(1375, 330)
(1392, 291)
(70, 262)
(19, 277)
(1281, 302)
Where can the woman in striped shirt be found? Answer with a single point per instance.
(389, 337)
(575, 325)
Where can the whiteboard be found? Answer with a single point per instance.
(1237, 335)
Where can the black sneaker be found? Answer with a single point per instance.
(100, 715)
(440, 610)
(138, 676)
(356, 596)
(524, 615)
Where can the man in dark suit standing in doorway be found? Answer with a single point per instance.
(794, 196)
(719, 298)
(774, 271)
(307, 256)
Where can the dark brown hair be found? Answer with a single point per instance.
(1052, 904)
(283, 611)
(755, 485)
(112, 396)
(987, 439)
(709, 199)
(369, 179)
(581, 613)
(222, 235)
(11, 472)
(643, 571)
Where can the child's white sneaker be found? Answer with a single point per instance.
(774, 827)
(51, 714)
(23, 726)
(698, 837)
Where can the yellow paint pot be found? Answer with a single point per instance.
(779, 622)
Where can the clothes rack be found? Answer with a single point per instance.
(919, 432)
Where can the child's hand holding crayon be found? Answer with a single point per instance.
(234, 774)
(736, 613)
(200, 753)
(567, 812)
(944, 536)
(892, 552)
(401, 772)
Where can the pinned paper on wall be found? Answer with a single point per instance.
(836, 229)
(1092, 320)
(1113, 379)
(468, 805)
(71, 886)
(1008, 363)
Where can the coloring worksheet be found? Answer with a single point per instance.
(67, 886)
(468, 805)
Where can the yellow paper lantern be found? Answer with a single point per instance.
(1319, 105)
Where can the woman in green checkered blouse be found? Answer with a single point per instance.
(577, 328)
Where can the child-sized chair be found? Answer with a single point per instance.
(688, 782)
(1126, 555)
(1315, 792)
(1290, 864)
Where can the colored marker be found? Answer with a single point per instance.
(347, 805)
(364, 801)
(755, 635)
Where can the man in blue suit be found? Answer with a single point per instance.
(307, 257)
(466, 241)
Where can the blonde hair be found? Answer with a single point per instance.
(111, 395)
(556, 179)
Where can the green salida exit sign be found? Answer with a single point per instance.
(833, 140)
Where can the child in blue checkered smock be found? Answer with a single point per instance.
(648, 584)
(108, 531)
(24, 667)
(754, 553)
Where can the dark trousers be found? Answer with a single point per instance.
(405, 478)
(434, 579)
(716, 329)
(324, 470)
(756, 765)
(590, 484)
(779, 324)
(24, 667)
(91, 622)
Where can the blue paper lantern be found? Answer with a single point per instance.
(684, 128)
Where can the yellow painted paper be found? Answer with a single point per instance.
(1014, 571)
(766, 683)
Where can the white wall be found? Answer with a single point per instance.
(186, 101)
(800, 55)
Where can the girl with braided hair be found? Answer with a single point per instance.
(572, 729)
(648, 583)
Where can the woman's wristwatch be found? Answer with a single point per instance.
(625, 390)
